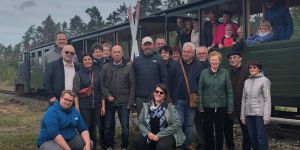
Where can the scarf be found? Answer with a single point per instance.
(155, 112)
(263, 34)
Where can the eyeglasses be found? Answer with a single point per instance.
(69, 53)
(160, 92)
(252, 67)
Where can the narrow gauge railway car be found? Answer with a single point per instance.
(280, 58)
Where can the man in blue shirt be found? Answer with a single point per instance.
(60, 126)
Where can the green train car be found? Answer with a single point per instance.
(280, 59)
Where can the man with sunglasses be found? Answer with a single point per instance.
(54, 53)
(59, 74)
(238, 74)
(61, 126)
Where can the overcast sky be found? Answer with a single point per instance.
(17, 15)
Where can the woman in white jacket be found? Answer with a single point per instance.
(256, 106)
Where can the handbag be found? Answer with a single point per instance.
(193, 97)
(86, 92)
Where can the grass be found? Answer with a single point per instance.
(19, 124)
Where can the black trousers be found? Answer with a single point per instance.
(91, 117)
(214, 125)
(164, 143)
(228, 134)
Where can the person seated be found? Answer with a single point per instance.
(158, 123)
(220, 28)
(209, 27)
(228, 40)
(264, 34)
(280, 19)
(61, 124)
(238, 46)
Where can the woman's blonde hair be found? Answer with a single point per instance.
(266, 23)
(215, 53)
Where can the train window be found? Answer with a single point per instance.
(46, 50)
(32, 55)
(211, 18)
(39, 53)
(272, 21)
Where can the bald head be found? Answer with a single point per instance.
(68, 53)
(117, 53)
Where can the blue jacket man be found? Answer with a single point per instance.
(149, 70)
(193, 68)
(280, 19)
(61, 124)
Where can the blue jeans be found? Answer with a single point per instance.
(110, 123)
(186, 116)
(257, 132)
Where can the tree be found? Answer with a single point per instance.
(172, 3)
(49, 29)
(148, 7)
(118, 16)
(28, 38)
(77, 26)
(96, 21)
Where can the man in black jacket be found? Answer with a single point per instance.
(238, 74)
(149, 70)
(193, 68)
(118, 89)
(59, 74)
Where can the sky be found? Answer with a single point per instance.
(17, 15)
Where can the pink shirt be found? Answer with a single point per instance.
(220, 31)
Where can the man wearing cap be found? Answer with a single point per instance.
(149, 70)
(238, 74)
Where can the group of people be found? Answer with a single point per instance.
(222, 32)
(174, 91)
(160, 83)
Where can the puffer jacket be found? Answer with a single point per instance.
(256, 99)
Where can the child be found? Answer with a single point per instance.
(229, 39)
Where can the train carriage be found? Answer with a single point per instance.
(280, 58)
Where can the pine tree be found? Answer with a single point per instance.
(96, 21)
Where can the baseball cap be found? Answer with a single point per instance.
(147, 39)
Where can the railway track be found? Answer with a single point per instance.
(29, 95)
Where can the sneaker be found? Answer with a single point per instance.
(124, 149)
(109, 148)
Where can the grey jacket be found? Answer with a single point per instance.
(173, 122)
(119, 82)
(256, 100)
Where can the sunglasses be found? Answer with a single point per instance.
(252, 67)
(160, 92)
(69, 53)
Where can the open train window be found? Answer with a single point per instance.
(39, 53)
(279, 17)
(33, 55)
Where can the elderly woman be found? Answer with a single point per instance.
(216, 99)
(256, 106)
(158, 123)
(264, 34)
(86, 85)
